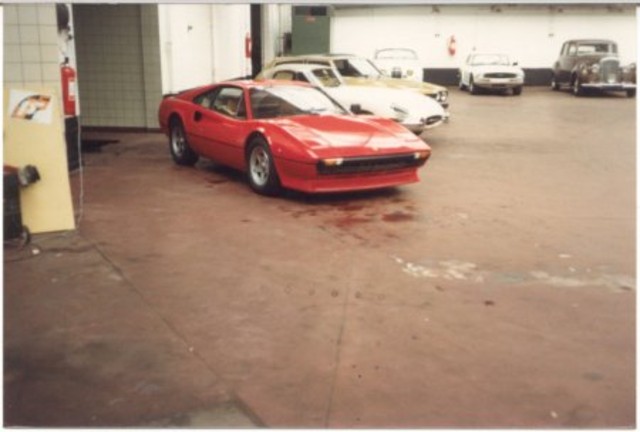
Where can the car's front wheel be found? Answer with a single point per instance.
(554, 83)
(473, 89)
(179, 146)
(261, 171)
(517, 91)
(577, 87)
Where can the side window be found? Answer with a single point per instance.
(300, 77)
(573, 49)
(283, 75)
(228, 101)
(205, 99)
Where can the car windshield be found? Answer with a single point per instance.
(326, 77)
(396, 53)
(357, 67)
(596, 48)
(284, 101)
(489, 59)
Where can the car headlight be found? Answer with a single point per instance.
(595, 68)
(401, 113)
(442, 96)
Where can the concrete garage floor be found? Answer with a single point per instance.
(498, 292)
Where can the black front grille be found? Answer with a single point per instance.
(432, 120)
(500, 75)
(371, 164)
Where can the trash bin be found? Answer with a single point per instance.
(14, 178)
(12, 213)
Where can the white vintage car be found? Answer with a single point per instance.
(399, 63)
(411, 109)
(492, 72)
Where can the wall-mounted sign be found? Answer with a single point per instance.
(30, 106)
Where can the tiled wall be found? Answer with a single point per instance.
(118, 59)
(31, 46)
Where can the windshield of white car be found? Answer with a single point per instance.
(326, 77)
(596, 48)
(489, 59)
(396, 54)
(285, 101)
(357, 67)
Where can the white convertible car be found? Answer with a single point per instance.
(409, 108)
(491, 71)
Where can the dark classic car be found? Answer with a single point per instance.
(593, 64)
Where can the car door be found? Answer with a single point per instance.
(567, 61)
(219, 125)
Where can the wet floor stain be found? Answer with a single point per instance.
(350, 221)
(217, 181)
(397, 216)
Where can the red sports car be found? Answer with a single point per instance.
(292, 135)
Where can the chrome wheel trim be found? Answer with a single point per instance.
(178, 142)
(259, 166)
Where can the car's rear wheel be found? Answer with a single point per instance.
(631, 93)
(554, 83)
(179, 146)
(461, 85)
(261, 171)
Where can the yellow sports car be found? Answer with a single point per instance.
(361, 71)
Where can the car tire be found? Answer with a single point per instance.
(473, 89)
(577, 88)
(179, 146)
(261, 171)
(554, 83)
(631, 93)
(517, 91)
(461, 85)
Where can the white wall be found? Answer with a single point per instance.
(532, 34)
(202, 43)
(276, 20)
(186, 46)
(231, 24)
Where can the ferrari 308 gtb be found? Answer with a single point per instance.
(291, 135)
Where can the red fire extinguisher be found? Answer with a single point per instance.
(247, 46)
(451, 45)
(68, 88)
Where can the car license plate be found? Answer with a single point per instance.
(611, 78)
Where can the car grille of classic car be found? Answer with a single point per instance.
(371, 163)
(609, 70)
(500, 75)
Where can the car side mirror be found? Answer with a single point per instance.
(356, 108)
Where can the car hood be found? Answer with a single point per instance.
(594, 58)
(381, 100)
(423, 87)
(345, 136)
(496, 69)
